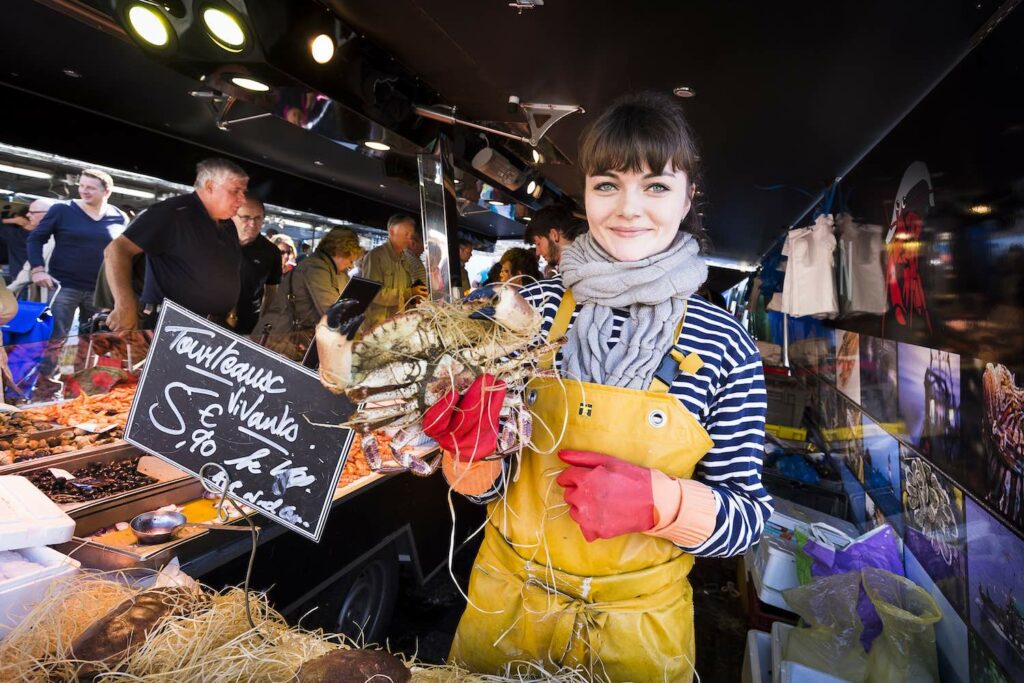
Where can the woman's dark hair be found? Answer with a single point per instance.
(645, 130)
(522, 263)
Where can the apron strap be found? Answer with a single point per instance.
(673, 362)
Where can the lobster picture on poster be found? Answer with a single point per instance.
(994, 557)
(993, 429)
(929, 402)
(879, 378)
(933, 515)
(904, 277)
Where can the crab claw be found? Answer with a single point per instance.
(487, 293)
(339, 318)
(334, 337)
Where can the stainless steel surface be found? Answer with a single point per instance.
(72, 461)
(161, 525)
(81, 457)
(95, 555)
(440, 222)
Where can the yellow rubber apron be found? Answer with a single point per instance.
(539, 592)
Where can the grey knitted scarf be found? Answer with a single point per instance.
(654, 290)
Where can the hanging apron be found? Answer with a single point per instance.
(621, 608)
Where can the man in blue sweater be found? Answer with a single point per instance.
(81, 230)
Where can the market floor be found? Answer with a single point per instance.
(426, 616)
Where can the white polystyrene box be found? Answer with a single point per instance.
(28, 518)
(20, 594)
(775, 561)
(766, 594)
(757, 660)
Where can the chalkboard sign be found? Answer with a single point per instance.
(207, 395)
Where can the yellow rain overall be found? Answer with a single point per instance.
(620, 608)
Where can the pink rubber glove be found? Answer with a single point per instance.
(607, 496)
(467, 425)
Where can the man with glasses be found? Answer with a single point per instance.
(15, 234)
(261, 267)
(192, 251)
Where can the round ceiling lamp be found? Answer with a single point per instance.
(377, 145)
(149, 25)
(225, 28)
(321, 48)
(684, 92)
(250, 83)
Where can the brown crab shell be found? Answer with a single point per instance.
(354, 666)
(112, 638)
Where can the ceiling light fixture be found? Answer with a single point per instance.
(494, 165)
(537, 156)
(250, 84)
(535, 188)
(225, 28)
(527, 218)
(531, 187)
(684, 92)
(28, 172)
(377, 145)
(322, 48)
(132, 192)
(149, 25)
(981, 209)
(496, 202)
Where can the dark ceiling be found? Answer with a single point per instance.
(789, 95)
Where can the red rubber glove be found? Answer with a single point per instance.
(607, 496)
(467, 426)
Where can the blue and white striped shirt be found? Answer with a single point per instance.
(728, 398)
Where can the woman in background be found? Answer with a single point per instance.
(306, 292)
(519, 267)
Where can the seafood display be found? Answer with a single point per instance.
(1004, 415)
(22, 423)
(407, 363)
(356, 466)
(67, 441)
(92, 482)
(95, 413)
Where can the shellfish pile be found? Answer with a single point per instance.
(401, 367)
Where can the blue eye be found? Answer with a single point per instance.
(604, 187)
(658, 188)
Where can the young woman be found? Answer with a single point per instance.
(646, 454)
(519, 266)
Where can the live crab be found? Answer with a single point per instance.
(405, 364)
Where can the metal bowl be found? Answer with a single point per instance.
(157, 527)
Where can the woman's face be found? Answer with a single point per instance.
(635, 215)
(506, 271)
(286, 254)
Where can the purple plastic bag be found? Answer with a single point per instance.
(877, 548)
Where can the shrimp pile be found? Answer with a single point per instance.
(407, 363)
